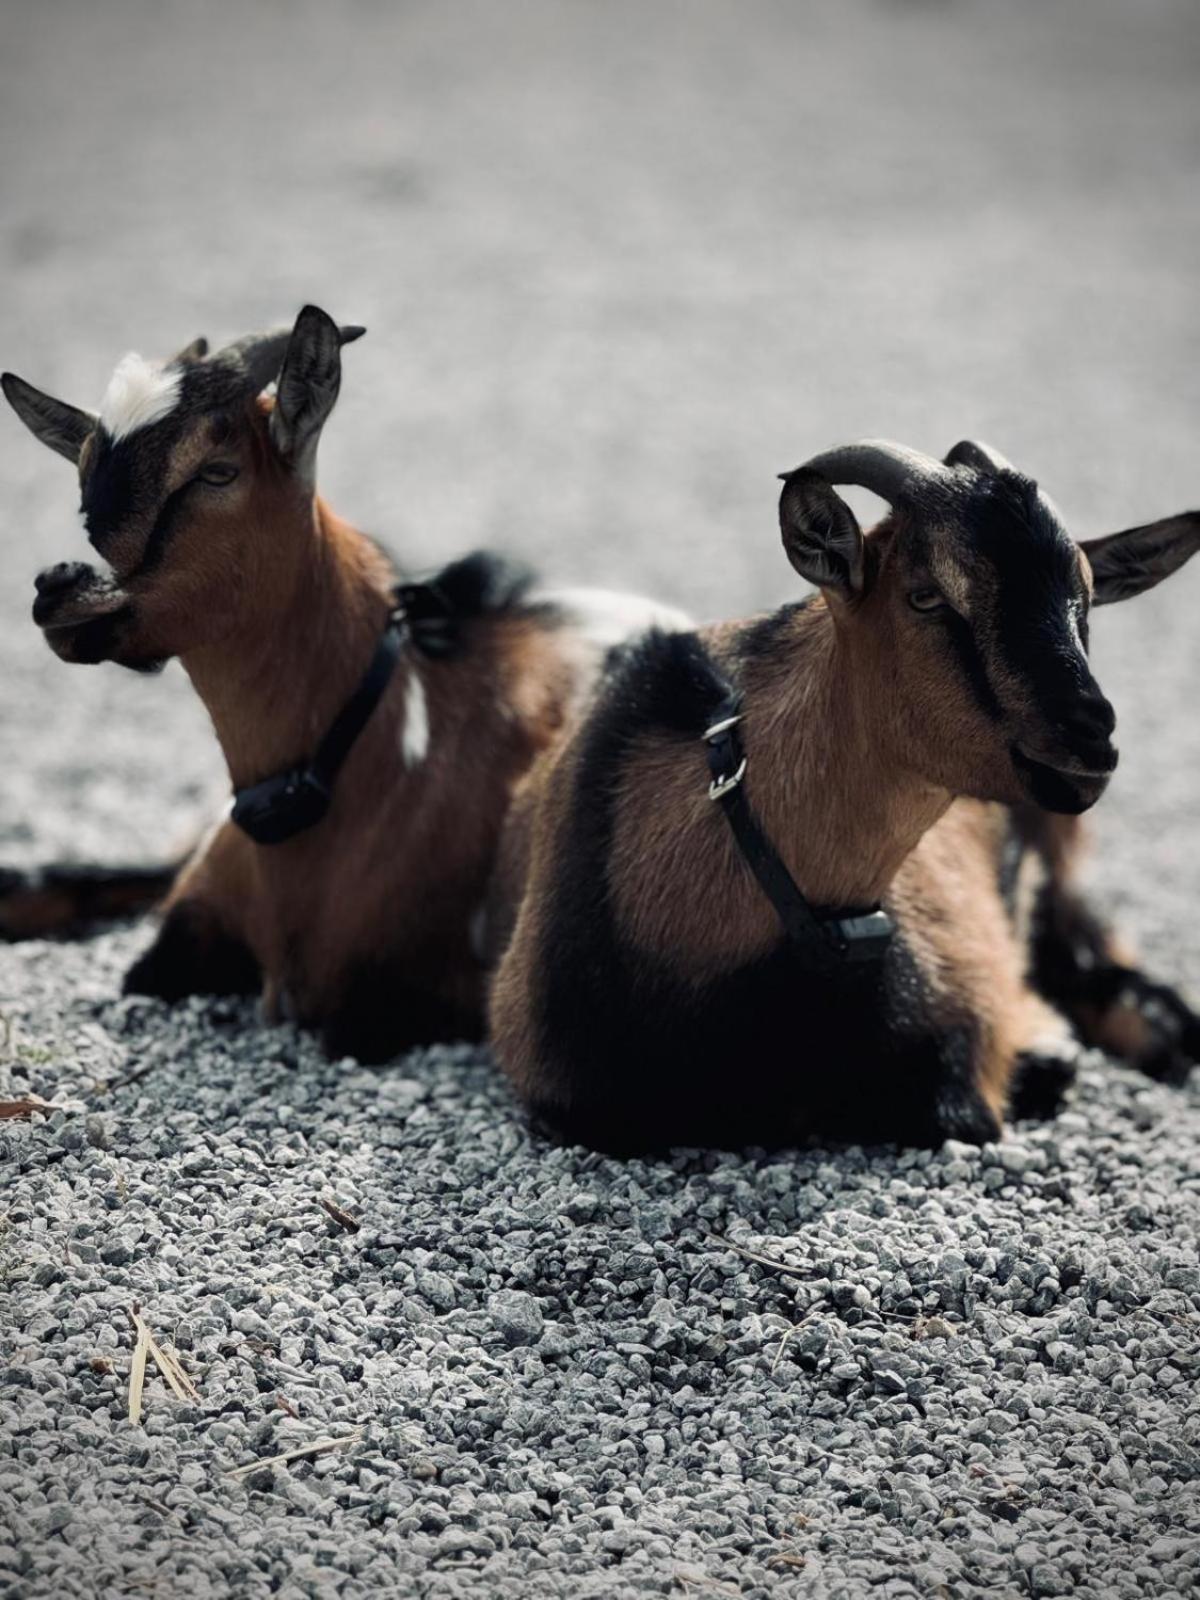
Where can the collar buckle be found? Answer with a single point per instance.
(865, 937)
(719, 787)
(727, 770)
(847, 934)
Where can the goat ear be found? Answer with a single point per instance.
(1124, 564)
(64, 428)
(308, 386)
(821, 534)
(196, 351)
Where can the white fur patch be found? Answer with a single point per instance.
(139, 392)
(414, 742)
(605, 617)
(1062, 1047)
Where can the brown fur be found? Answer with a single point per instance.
(398, 868)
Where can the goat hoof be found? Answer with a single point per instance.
(1172, 1034)
(957, 1113)
(193, 955)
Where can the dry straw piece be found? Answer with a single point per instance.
(25, 1105)
(339, 1214)
(317, 1448)
(165, 1360)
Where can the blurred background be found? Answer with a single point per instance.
(621, 263)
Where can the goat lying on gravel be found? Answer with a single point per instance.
(373, 732)
(680, 975)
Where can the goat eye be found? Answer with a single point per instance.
(926, 599)
(217, 473)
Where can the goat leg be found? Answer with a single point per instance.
(202, 946)
(1081, 966)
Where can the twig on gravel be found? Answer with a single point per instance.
(107, 1086)
(156, 1505)
(285, 1404)
(688, 1581)
(341, 1217)
(26, 1104)
(753, 1255)
(783, 1343)
(787, 1558)
(319, 1447)
(165, 1360)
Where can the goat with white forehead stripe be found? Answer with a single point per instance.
(346, 895)
(139, 392)
(923, 734)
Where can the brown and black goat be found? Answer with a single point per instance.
(922, 734)
(373, 735)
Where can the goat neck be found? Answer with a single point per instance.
(299, 640)
(828, 775)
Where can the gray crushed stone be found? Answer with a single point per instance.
(620, 264)
(563, 1374)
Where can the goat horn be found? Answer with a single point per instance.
(259, 355)
(885, 468)
(974, 453)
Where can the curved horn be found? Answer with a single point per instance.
(190, 354)
(261, 355)
(974, 453)
(887, 469)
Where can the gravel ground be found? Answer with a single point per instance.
(621, 263)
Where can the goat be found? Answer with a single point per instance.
(924, 733)
(345, 884)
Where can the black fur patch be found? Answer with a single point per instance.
(1039, 1085)
(762, 636)
(169, 517)
(961, 640)
(483, 584)
(193, 955)
(64, 901)
(99, 639)
(383, 1013)
(1037, 575)
(440, 610)
(762, 1055)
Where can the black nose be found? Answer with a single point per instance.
(1087, 730)
(63, 576)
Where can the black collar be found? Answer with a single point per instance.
(824, 934)
(277, 808)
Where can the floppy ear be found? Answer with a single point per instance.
(1124, 564)
(308, 386)
(821, 534)
(64, 428)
